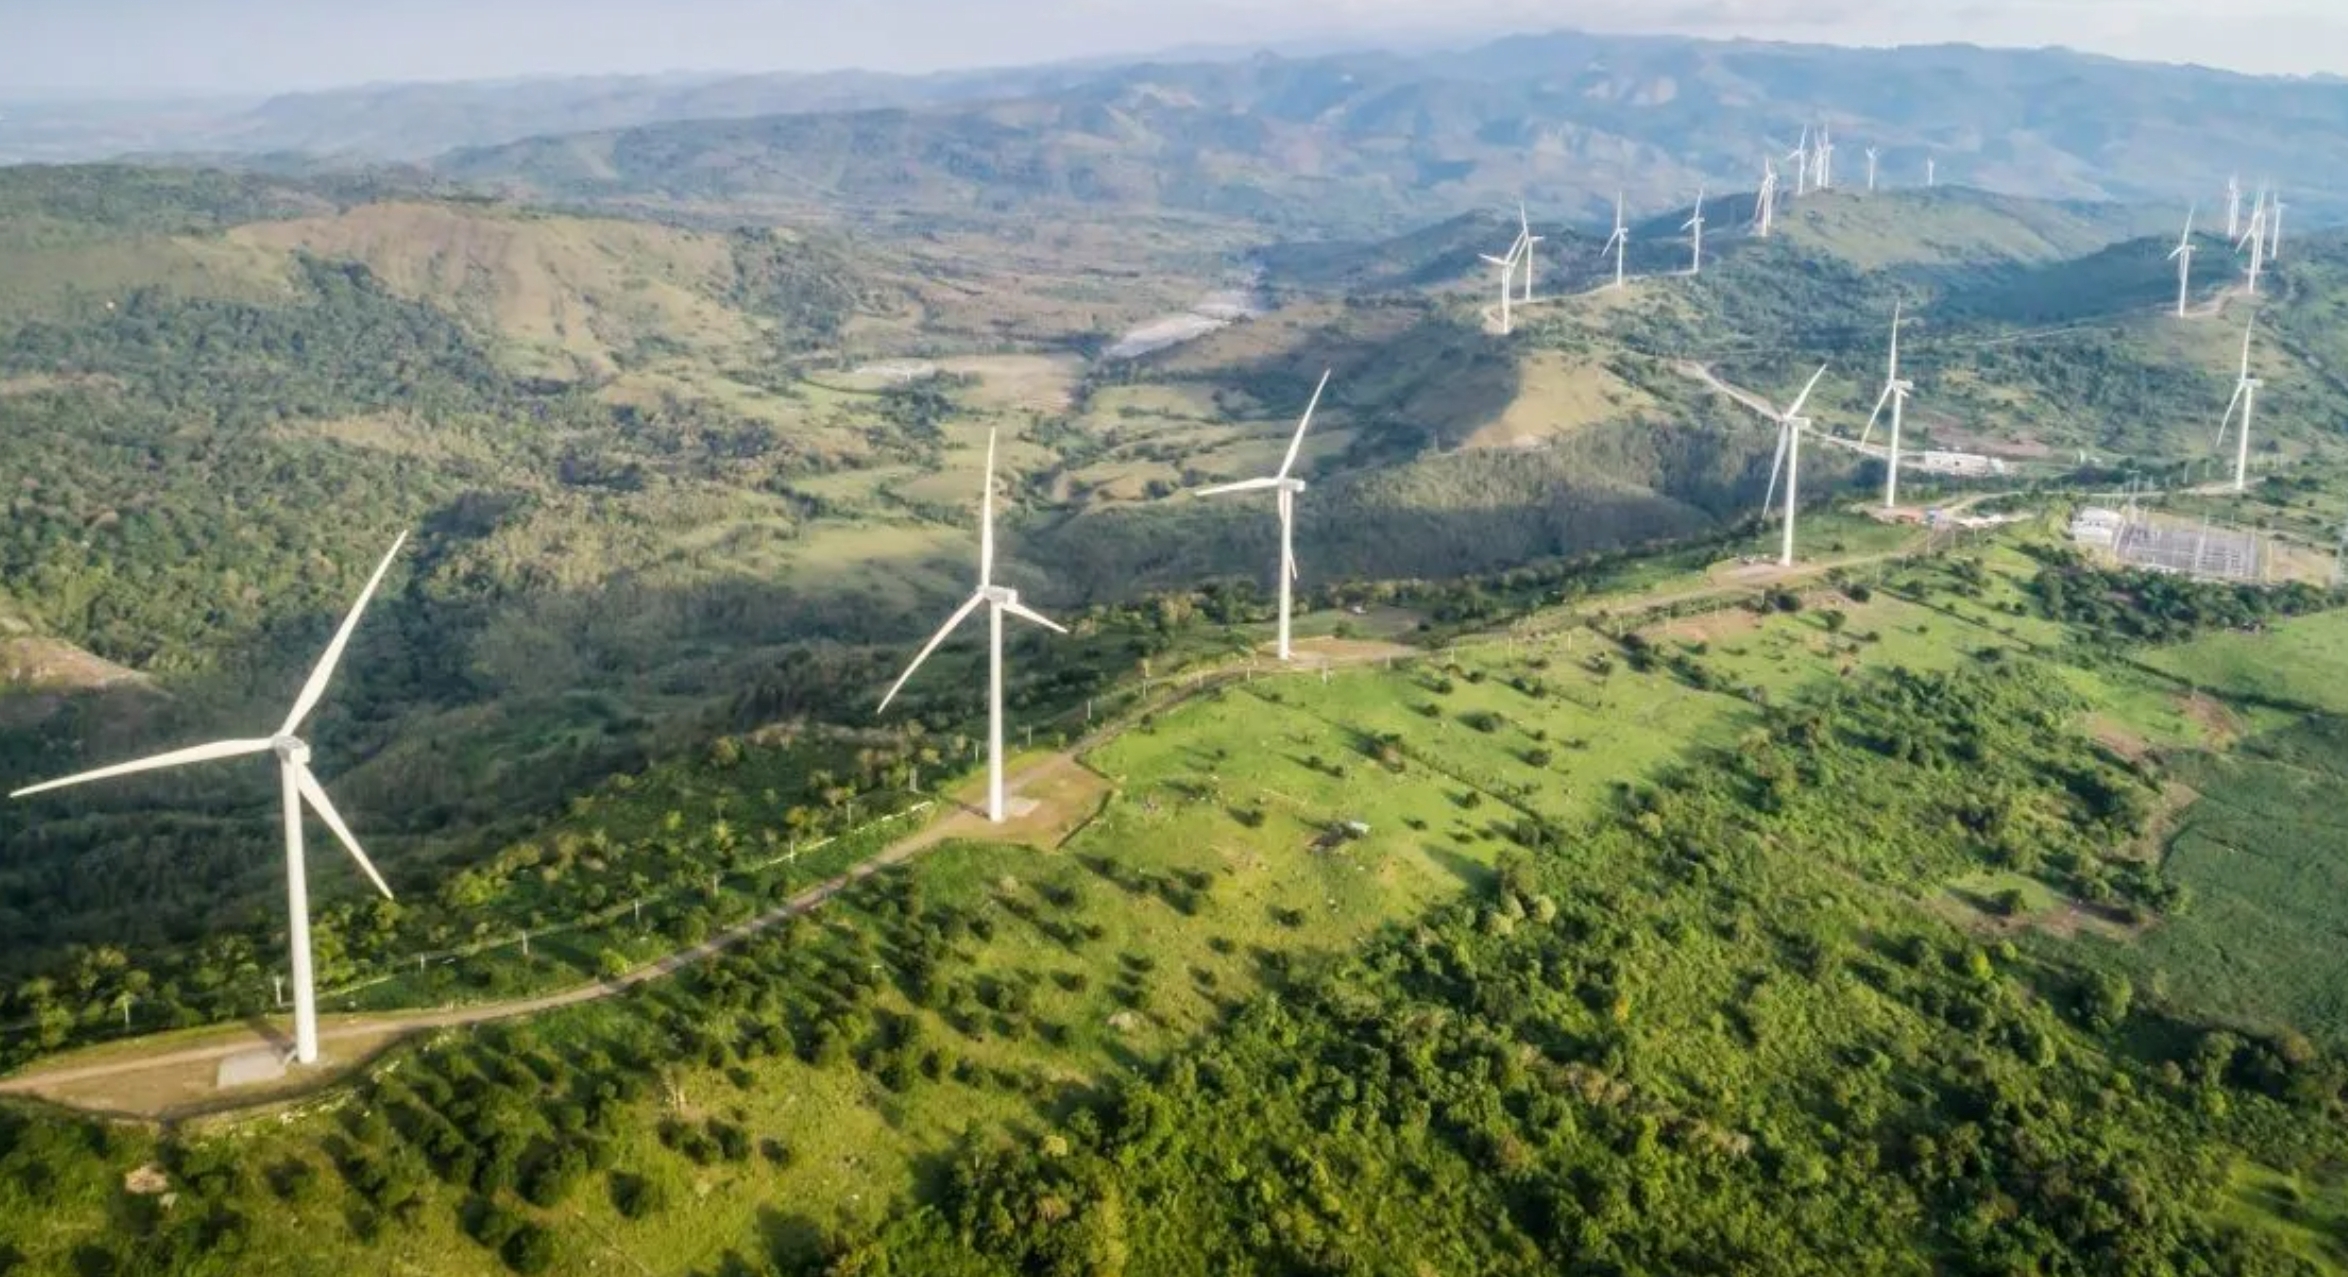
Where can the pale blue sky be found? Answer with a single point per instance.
(267, 45)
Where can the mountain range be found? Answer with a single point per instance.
(1367, 139)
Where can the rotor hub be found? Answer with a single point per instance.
(1292, 486)
(1000, 595)
(291, 749)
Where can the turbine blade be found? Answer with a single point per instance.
(1297, 444)
(1776, 468)
(176, 758)
(986, 518)
(2226, 422)
(1876, 415)
(315, 794)
(1026, 613)
(960, 614)
(1244, 485)
(316, 687)
(1796, 410)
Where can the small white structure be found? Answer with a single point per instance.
(1969, 464)
(2097, 527)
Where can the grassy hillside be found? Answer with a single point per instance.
(1706, 911)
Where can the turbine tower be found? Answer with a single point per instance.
(1790, 424)
(1800, 156)
(1619, 242)
(1525, 239)
(1895, 393)
(2274, 232)
(1765, 203)
(2246, 397)
(999, 600)
(1696, 224)
(1825, 176)
(1872, 156)
(1288, 488)
(2234, 207)
(2255, 239)
(2182, 255)
(1931, 172)
(1507, 267)
(296, 786)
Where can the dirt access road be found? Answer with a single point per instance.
(167, 1083)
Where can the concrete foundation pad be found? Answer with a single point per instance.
(1016, 808)
(250, 1068)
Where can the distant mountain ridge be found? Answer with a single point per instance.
(1375, 142)
(1563, 118)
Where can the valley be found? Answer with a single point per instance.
(1594, 893)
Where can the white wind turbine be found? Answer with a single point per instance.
(2255, 240)
(999, 600)
(2234, 207)
(2182, 255)
(1619, 242)
(1288, 488)
(1765, 203)
(1525, 239)
(1800, 156)
(1790, 425)
(2245, 396)
(1507, 267)
(1696, 225)
(1872, 156)
(2274, 232)
(297, 786)
(1895, 393)
(1931, 172)
(1824, 179)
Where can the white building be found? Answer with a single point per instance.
(1959, 463)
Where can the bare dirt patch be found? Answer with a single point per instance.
(2212, 717)
(1711, 627)
(2112, 735)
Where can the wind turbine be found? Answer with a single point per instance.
(1696, 224)
(2182, 255)
(1800, 155)
(1765, 203)
(1895, 393)
(297, 786)
(2274, 232)
(999, 600)
(1287, 488)
(2234, 207)
(2255, 239)
(1619, 242)
(1525, 239)
(2245, 395)
(1825, 177)
(1790, 424)
(1931, 172)
(1507, 267)
(1872, 156)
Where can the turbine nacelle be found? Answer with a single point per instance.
(999, 595)
(293, 751)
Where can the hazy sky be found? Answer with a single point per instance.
(263, 45)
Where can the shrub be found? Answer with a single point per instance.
(637, 1196)
(529, 1250)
